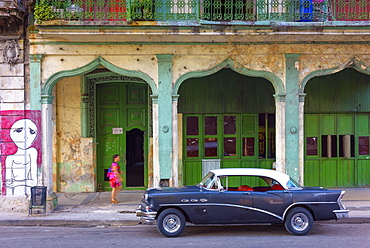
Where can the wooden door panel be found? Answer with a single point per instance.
(346, 172)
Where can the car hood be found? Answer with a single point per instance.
(192, 188)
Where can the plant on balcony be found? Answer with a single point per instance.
(141, 10)
(60, 6)
(43, 11)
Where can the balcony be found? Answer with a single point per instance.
(12, 14)
(237, 12)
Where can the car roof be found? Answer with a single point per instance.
(282, 178)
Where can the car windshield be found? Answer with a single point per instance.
(208, 180)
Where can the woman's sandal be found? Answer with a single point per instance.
(113, 201)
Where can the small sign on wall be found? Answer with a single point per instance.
(117, 130)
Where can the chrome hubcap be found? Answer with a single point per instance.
(171, 223)
(299, 221)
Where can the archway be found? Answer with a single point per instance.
(337, 117)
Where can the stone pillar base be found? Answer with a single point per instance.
(51, 202)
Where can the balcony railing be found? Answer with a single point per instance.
(210, 10)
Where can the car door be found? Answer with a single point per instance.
(269, 206)
(231, 207)
(195, 205)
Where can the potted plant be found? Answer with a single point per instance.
(59, 7)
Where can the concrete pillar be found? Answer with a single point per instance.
(280, 131)
(165, 117)
(293, 129)
(156, 175)
(47, 149)
(175, 142)
(35, 81)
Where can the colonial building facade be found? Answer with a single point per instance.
(180, 87)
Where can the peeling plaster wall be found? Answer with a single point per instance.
(188, 58)
(73, 154)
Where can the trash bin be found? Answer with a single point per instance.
(38, 199)
(305, 10)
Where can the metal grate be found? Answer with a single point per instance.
(213, 10)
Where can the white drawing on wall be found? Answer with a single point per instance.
(21, 167)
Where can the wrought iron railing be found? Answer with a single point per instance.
(210, 10)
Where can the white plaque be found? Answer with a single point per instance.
(117, 130)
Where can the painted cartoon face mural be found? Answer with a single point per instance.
(21, 145)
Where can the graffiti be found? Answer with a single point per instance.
(20, 149)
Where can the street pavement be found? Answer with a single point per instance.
(95, 209)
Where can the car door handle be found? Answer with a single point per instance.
(246, 193)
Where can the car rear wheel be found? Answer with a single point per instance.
(298, 221)
(171, 222)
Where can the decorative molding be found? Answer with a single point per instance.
(301, 97)
(280, 97)
(47, 99)
(239, 68)
(355, 63)
(36, 58)
(11, 52)
(89, 97)
(51, 81)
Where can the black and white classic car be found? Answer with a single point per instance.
(240, 196)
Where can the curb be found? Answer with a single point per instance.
(118, 223)
(70, 223)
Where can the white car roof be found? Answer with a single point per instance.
(282, 178)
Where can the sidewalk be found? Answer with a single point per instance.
(95, 209)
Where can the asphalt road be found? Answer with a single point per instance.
(322, 235)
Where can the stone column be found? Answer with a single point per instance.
(175, 142)
(47, 150)
(165, 117)
(301, 138)
(293, 130)
(35, 81)
(280, 131)
(156, 169)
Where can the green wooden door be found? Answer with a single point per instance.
(232, 140)
(336, 150)
(122, 129)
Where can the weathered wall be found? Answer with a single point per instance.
(189, 58)
(73, 154)
(15, 182)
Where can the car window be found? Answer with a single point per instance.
(234, 182)
(293, 184)
(209, 181)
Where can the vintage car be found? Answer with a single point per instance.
(240, 196)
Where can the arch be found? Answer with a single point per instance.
(51, 81)
(354, 63)
(229, 63)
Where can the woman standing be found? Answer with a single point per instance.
(115, 178)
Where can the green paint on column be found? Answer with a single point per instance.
(165, 114)
(292, 116)
(35, 81)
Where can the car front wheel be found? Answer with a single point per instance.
(298, 221)
(171, 222)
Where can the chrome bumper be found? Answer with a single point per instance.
(341, 213)
(145, 217)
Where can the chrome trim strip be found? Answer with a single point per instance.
(304, 203)
(226, 205)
